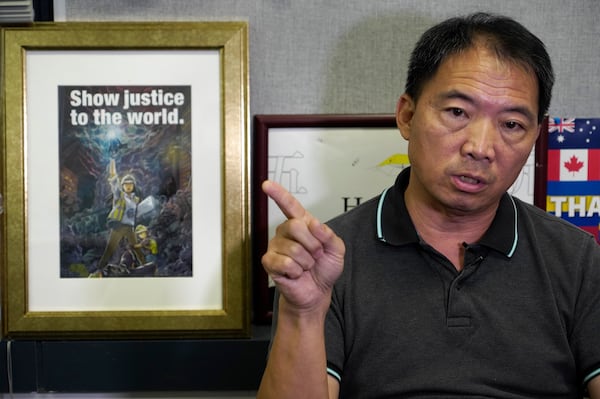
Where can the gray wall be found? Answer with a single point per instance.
(350, 56)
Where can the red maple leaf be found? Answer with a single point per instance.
(574, 165)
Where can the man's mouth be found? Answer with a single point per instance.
(469, 180)
(470, 183)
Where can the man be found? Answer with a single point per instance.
(121, 219)
(444, 285)
(146, 244)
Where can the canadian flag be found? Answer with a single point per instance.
(574, 165)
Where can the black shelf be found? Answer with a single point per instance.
(136, 365)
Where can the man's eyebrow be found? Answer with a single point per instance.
(523, 110)
(450, 94)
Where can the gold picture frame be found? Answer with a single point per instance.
(198, 73)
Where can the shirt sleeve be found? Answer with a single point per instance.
(585, 337)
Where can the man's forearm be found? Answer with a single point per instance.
(297, 361)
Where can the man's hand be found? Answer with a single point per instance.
(305, 257)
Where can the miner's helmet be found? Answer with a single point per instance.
(140, 229)
(128, 179)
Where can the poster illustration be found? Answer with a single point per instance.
(573, 188)
(125, 181)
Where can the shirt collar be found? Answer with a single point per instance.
(395, 227)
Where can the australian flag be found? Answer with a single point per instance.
(573, 190)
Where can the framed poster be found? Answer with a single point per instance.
(332, 163)
(125, 180)
(573, 186)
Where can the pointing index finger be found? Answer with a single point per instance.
(289, 205)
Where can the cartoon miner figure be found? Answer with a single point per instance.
(145, 243)
(121, 218)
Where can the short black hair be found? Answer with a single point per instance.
(506, 37)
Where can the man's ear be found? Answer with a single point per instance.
(405, 110)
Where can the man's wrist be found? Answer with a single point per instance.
(304, 315)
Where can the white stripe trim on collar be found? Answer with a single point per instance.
(380, 216)
(516, 236)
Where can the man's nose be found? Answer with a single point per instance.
(480, 137)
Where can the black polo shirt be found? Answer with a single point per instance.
(521, 320)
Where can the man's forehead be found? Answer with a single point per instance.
(480, 64)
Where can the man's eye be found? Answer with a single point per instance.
(512, 125)
(457, 112)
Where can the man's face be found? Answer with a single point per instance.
(128, 187)
(470, 132)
